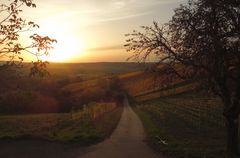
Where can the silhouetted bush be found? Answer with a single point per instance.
(17, 101)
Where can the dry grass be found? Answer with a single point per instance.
(37, 125)
(77, 126)
(94, 110)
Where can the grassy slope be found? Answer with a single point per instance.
(85, 131)
(137, 82)
(58, 127)
(146, 85)
(19, 126)
(184, 126)
(80, 86)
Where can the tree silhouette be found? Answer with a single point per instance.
(12, 25)
(203, 36)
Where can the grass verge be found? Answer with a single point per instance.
(86, 131)
(59, 127)
(186, 126)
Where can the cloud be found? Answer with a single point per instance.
(123, 17)
(95, 11)
(119, 4)
(85, 13)
(114, 10)
(106, 48)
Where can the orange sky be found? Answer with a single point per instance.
(93, 30)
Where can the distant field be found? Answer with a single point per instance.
(89, 125)
(137, 82)
(189, 125)
(143, 85)
(80, 86)
(89, 70)
(177, 88)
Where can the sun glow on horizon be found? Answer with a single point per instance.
(92, 30)
(68, 46)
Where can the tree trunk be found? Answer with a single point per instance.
(232, 143)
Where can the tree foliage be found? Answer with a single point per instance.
(203, 36)
(12, 27)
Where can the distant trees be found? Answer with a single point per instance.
(23, 94)
(203, 36)
(12, 27)
(17, 101)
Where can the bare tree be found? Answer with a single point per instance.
(204, 37)
(12, 25)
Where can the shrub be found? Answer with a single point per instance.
(17, 101)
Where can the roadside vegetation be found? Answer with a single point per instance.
(65, 107)
(186, 125)
(181, 119)
(89, 125)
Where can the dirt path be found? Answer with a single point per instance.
(126, 141)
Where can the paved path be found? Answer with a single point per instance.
(127, 141)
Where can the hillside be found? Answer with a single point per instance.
(180, 118)
(146, 85)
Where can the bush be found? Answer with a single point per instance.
(17, 101)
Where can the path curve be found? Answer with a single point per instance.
(128, 140)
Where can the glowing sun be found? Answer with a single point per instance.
(68, 45)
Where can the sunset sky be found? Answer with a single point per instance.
(93, 30)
